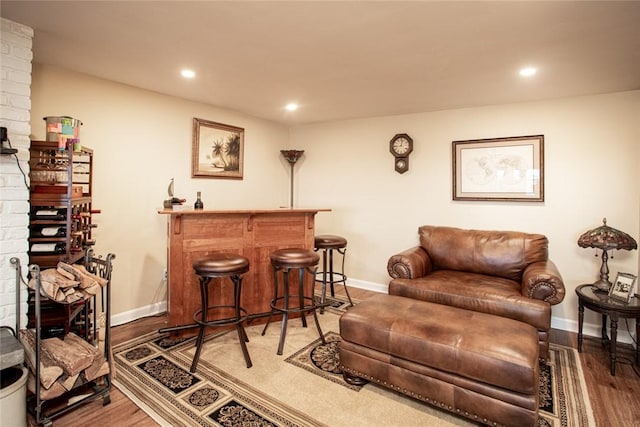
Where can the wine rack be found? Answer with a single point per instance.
(61, 219)
(57, 320)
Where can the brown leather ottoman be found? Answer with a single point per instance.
(477, 365)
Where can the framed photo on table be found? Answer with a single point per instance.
(218, 150)
(499, 169)
(622, 287)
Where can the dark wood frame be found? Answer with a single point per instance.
(496, 150)
(226, 145)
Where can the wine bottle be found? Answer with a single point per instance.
(50, 214)
(198, 204)
(49, 232)
(86, 228)
(56, 248)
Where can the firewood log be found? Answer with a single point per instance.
(93, 371)
(52, 392)
(80, 274)
(73, 358)
(53, 284)
(49, 370)
(68, 381)
(53, 275)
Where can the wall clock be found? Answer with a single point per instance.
(401, 146)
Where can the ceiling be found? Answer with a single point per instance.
(343, 59)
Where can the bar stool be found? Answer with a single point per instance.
(328, 243)
(286, 260)
(218, 265)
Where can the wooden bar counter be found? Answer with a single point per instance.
(252, 233)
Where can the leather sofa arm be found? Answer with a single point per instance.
(409, 264)
(542, 280)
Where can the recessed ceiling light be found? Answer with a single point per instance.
(528, 71)
(188, 74)
(292, 106)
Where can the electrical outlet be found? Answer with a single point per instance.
(164, 274)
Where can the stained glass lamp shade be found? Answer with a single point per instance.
(606, 238)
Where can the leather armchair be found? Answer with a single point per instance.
(504, 273)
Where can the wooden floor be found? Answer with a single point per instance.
(615, 400)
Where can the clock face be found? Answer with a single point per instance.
(401, 146)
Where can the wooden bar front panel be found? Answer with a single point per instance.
(253, 234)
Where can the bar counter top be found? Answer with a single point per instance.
(190, 211)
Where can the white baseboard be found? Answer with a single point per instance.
(161, 307)
(131, 315)
(368, 286)
(594, 330)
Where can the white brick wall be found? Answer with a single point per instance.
(15, 106)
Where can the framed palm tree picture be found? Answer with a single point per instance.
(218, 150)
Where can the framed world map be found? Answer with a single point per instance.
(500, 169)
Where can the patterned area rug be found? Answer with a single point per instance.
(302, 388)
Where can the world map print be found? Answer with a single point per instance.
(502, 169)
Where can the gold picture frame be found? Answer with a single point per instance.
(217, 151)
(499, 169)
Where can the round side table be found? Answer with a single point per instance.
(600, 302)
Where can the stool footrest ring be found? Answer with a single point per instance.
(197, 317)
(310, 307)
(342, 277)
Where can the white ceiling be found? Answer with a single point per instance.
(341, 59)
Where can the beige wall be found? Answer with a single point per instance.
(591, 156)
(142, 139)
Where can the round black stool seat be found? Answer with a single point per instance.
(284, 261)
(221, 264)
(329, 241)
(294, 258)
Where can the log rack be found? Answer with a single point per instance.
(44, 411)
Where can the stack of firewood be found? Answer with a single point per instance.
(68, 283)
(64, 364)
